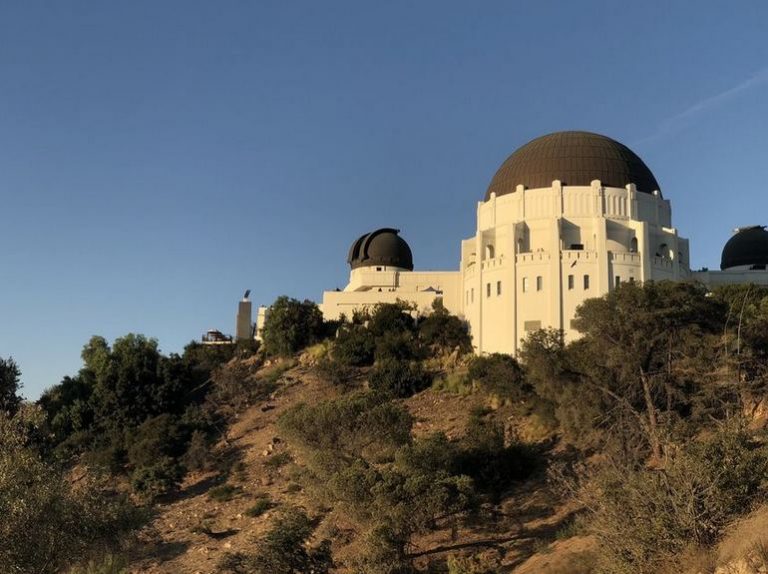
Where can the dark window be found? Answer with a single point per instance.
(488, 290)
(539, 283)
(498, 287)
(586, 281)
(570, 282)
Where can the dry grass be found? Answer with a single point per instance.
(747, 539)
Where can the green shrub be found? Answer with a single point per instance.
(355, 346)
(399, 378)
(107, 564)
(472, 565)
(198, 454)
(47, 522)
(292, 325)
(444, 331)
(278, 460)
(391, 318)
(457, 383)
(350, 425)
(397, 346)
(154, 439)
(337, 373)
(260, 507)
(500, 375)
(283, 549)
(383, 553)
(223, 493)
(157, 479)
(644, 517)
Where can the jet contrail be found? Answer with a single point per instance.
(678, 121)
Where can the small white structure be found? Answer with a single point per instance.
(567, 217)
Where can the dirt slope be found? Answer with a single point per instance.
(193, 532)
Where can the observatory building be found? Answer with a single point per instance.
(568, 216)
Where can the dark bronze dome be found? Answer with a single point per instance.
(574, 158)
(383, 247)
(748, 246)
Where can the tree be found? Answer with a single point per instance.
(445, 331)
(10, 376)
(292, 325)
(637, 339)
(48, 522)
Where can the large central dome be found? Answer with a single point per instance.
(574, 158)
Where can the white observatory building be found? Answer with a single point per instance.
(568, 216)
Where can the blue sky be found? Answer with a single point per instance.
(158, 158)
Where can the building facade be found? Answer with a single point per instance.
(567, 217)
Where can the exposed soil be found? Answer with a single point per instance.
(192, 532)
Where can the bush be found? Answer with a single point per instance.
(472, 565)
(278, 460)
(391, 318)
(108, 564)
(398, 346)
(223, 493)
(644, 517)
(198, 453)
(355, 346)
(48, 523)
(500, 375)
(350, 425)
(399, 378)
(457, 383)
(444, 331)
(337, 373)
(157, 479)
(292, 325)
(283, 550)
(260, 507)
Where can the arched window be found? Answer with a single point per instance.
(633, 245)
(489, 251)
(662, 251)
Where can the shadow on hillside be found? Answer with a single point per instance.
(159, 551)
(527, 538)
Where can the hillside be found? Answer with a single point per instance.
(192, 533)
(383, 445)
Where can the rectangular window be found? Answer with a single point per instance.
(498, 287)
(570, 282)
(539, 283)
(525, 284)
(532, 325)
(472, 295)
(586, 281)
(487, 289)
(618, 280)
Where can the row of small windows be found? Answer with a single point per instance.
(471, 292)
(539, 284)
(571, 283)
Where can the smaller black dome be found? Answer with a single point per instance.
(381, 247)
(748, 246)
